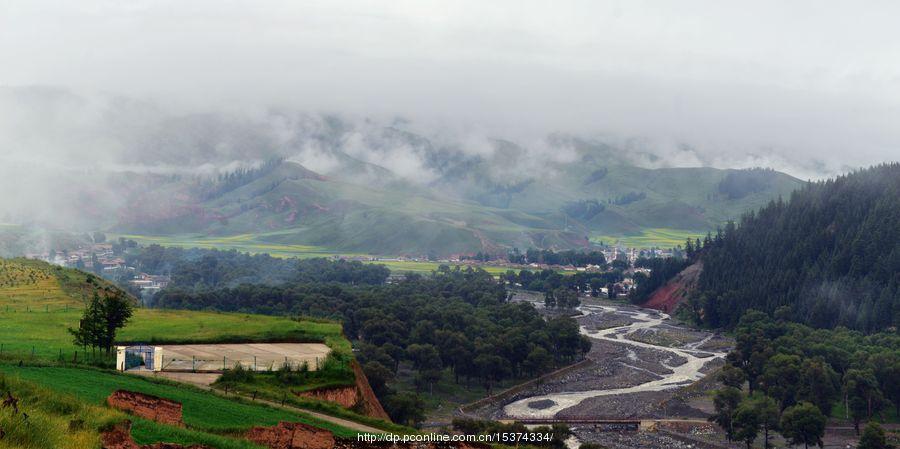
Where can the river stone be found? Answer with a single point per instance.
(542, 404)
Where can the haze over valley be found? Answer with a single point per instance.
(423, 224)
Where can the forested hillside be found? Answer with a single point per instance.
(831, 254)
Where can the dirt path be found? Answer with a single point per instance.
(352, 425)
(644, 319)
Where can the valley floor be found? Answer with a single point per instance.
(641, 366)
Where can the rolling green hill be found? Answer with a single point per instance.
(283, 203)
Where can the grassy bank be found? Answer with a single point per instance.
(275, 387)
(202, 411)
(61, 420)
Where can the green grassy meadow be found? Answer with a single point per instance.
(39, 303)
(46, 332)
(649, 238)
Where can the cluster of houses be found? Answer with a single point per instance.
(627, 255)
(149, 283)
(85, 258)
(100, 258)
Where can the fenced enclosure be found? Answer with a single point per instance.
(219, 357)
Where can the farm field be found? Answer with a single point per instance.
(252, 244)
(649, 238)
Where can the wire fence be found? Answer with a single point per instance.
(73, 355)
(39, 309)
(196, 364)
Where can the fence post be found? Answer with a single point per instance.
(223, 363)
(193, 363)
(254, 363)
(32, 352)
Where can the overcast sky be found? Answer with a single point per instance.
(799, 82)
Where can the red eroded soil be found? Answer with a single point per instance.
(359, 396)
(346, 397)
(287, 435)
(119, 437)
(667, 297)
(370, 405)
(161, 410)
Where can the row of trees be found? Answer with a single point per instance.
(744, 417)
(797, 376)
(550, 257)
(204, 269)
(562, 298)
(548, 281)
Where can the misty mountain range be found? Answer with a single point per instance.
(361, 185)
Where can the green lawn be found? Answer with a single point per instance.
(148, 432)
(649, 238)
(202, 411)
(39, 303)
(47, 332)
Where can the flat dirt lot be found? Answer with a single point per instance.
(258, 356)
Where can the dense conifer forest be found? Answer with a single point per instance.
(831, 253)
